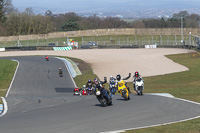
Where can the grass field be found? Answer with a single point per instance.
(7, 70)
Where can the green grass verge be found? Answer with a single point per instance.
(7, 70)
(86, 70)
(184, 85)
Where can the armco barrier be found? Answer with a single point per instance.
(117, 46)
(20, 48)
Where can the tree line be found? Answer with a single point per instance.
(13, 22)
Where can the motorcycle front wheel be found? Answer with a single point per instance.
(125, 95)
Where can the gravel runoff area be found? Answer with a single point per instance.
(107, 62)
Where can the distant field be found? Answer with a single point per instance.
(104, 40)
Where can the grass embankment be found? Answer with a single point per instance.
(184, 85)
(7, 70)
(86, 70)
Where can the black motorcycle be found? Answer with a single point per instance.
(102, 94)
(60, 73)
(104, 97)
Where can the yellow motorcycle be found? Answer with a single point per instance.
(122, 88)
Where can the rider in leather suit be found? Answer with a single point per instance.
(119, 78)
(135, 77)
(99, 85)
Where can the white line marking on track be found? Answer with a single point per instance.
(123, 130)
(13, 78)
(51, 105)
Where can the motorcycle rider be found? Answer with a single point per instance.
(46, 57)
(89, 84)
(135, 77)
(112, 78)
(60, 71)
(89, 87)
(119, 78)
(112, 81)
(99, 86)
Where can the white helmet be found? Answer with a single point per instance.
(98, 93)
(111, 77)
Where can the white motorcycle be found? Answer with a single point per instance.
(139, 86)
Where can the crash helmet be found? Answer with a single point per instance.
(60, 68)
(118, 77)
(136, 74)
(96, 81)
(89, 81)
(111, 77)
(84, 86)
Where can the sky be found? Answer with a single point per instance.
(102, 5)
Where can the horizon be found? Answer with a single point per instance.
(103, 6)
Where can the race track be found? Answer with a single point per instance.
(40, 101)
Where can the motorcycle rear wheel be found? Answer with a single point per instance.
(103, 102)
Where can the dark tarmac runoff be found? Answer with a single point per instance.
(40, 101)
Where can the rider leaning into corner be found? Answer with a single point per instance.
(119, 78)
(99, 85)
(135, 77)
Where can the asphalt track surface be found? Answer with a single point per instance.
(40, 101)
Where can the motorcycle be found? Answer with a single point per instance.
(139, 86)
(90, 90)
(102, 94)
(104, 97)
(77, 92)
(47, 58)
(84, 92)
(122, 89)
(112, 87)
(60, 73)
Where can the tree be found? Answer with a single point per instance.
(48, 13)
(70, 26)
(180, 14)
(138, 24)
(6, 7)
(29, 11)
